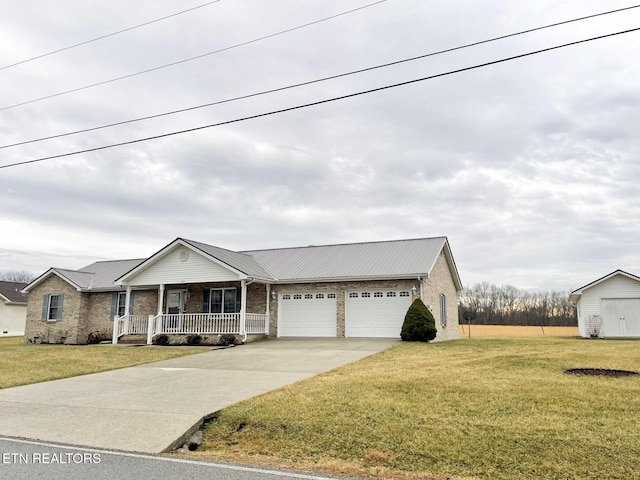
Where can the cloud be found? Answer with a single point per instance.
(528, 166)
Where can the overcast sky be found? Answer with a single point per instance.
(529, 167)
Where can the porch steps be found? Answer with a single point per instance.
(133, 340)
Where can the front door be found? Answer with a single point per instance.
(176, 302)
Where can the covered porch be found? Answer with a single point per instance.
(221, 310)
(188, 290)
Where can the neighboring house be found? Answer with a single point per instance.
(349, 290)
(609, 307)
(13, 309)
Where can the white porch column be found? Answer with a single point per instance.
(127, 301)
(150, 329)
(160, 298)
(267, 322)
(116, 322)
(243, 309)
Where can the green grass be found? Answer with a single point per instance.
(21, 364)
(485, 408)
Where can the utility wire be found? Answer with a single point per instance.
(334, 99)
(271, 35)
(332, 77)
(107, 35)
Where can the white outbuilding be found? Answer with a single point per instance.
(609, 307)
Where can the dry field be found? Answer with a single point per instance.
(516, 331)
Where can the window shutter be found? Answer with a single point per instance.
(114, 305)
(131, 303)
(45, 307)
(205, 301)
(238, 299)
(60, 302)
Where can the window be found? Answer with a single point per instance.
(286, 297)
(378, 295)
(366, 295)
(52, 307)
(353, 295)
(443, 310)
(319, 295)
(297, 296)
(121, 302)
(391, 294)
(224, 300)
(331, 295)
(404, 294)
(308, 296)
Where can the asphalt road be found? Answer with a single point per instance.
(33, 460)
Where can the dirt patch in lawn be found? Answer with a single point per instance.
(601, 372)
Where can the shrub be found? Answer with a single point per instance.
(194, 339)
(161, 339)
(227, 339)
(98, 336)
(419, 324)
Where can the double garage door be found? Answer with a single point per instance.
(368, 313)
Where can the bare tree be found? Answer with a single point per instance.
(511, 306)
(18, 276)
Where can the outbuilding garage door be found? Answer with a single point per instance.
(621, 317)
(376, 313)
(307, 314)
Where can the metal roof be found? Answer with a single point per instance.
(97, 276)
(397, 258)
(352, 261)
(105, 273)
(237, 260)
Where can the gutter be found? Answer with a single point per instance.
(410, 276)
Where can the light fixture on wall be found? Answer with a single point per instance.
(273, 294)
(414, 290)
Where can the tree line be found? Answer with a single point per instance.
(18, 276)
(508, 305)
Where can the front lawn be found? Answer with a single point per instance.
(479, 408)
(21, 364)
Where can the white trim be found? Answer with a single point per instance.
(156, 257)
(47, 274)
(160, 298)
(577, 293)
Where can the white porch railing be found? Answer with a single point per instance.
(189, 323)
(130, 325)
(257, 323)
(198, 323)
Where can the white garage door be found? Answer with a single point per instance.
(307, 314)
(621, 317)
(376, 313)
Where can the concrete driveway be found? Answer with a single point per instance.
(155, 407)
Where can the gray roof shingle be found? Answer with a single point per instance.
(11, 292)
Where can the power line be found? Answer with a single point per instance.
(320, 102)
(332, 77)
(193, 58)
(107, 35)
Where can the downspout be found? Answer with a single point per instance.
(421, 287)
(268, 308)
(243, 307)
